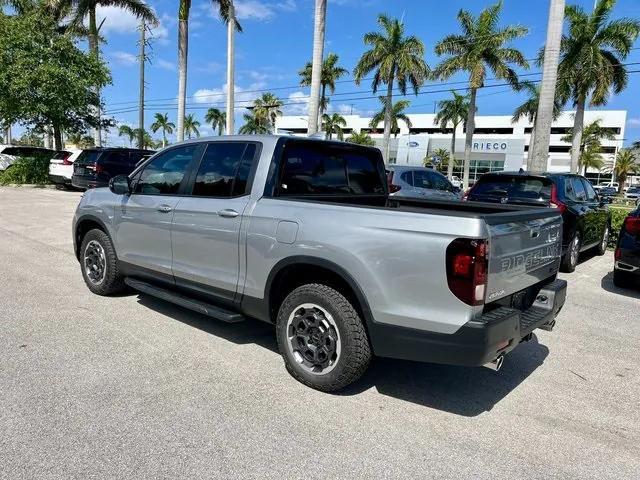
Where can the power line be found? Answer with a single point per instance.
(250, 102)
(355, 99)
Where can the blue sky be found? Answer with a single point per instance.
(277, 41)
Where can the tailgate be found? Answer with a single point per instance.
(524, 249)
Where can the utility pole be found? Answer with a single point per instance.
(544, 117)
(142, 59)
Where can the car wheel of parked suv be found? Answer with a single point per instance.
(99, 264)
(322, 338)
(570, 259)
(602, 246)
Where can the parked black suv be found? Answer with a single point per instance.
(95, 167)
(626, 270)
(586, 218)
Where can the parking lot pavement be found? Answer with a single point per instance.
(132, 387)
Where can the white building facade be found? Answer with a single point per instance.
(498, 144)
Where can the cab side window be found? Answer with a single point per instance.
(224, 170)
(165, 173)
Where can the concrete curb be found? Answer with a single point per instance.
(28, 185)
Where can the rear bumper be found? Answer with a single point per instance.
(85, 182)
(477, 342)
(59, 180)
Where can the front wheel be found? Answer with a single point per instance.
(99, 264)
(322, 338)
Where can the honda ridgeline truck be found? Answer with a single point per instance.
(301, 233)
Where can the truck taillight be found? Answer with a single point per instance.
(632, 225)
(467, 269)
(555, 201)
(65, 160)
(96, 167)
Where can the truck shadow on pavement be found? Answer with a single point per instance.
(607, 284)
(459, 390)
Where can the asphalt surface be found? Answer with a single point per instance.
(132, 387)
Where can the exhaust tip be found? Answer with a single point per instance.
(496, 364)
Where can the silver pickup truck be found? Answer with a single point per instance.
(301, 233)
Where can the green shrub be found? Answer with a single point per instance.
(618, 215)
(27, 170)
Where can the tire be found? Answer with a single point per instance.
(99, 264)
(621, 279)
(570, 259)
(328, 320)
(601, 249)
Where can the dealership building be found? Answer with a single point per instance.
(498, 144)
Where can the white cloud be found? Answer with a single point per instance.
(633, 123)
(166, 65)
(124, 58)
(255, 9)
(217, 96)
(121, 21)
(297, 103)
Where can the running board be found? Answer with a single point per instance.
(196, 305)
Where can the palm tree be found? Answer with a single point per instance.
(253, 125)
(331, 73)
(591, 158)
(319, 22)
(147, 140)
(216, 118)
(397, 113)
(227, 13)
(453, 111)
(394, 57)
(361, 138)
(443, 155)
(529, 110)
(482, 47)
(83, 9)
(591, 61)
(267, 109)
(591, 142)
(162, 123)
(333, 123)
(127, 131)
(626, 164)
(191, 126)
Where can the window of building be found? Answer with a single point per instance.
(431, 130)
(492, 131)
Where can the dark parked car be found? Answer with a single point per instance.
(95, 167)
(626, 270)
(607, 193)
(586, 218)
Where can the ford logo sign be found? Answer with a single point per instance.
(413, 144)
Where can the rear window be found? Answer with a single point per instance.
(87, 157)
(314, 168)
(515, 187)
(61, 155)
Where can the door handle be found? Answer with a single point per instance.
(228, 213)
(164, 208)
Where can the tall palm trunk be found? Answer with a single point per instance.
(539, 149)
(164, 138)
(453, 153)
(93, 49)
(532, 141)
(316, 68)
(231, 40)
(141, 86)
(471, 126)
(183, 46)
(578, 127)
(387, 122)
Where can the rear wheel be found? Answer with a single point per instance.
(99, 264)
(602, 246)
(322, 338)
(570, 259)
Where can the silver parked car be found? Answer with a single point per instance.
(419, 182)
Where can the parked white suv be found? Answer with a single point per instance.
(61, 166)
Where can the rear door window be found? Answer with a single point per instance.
(407, 177)
(591, 194)
(224, 170)
(314, 168)
(575, 189)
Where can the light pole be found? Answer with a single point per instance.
(544, 116)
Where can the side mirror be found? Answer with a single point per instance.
(120, 185)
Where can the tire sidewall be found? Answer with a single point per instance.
(112, 282)
(306, 294)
